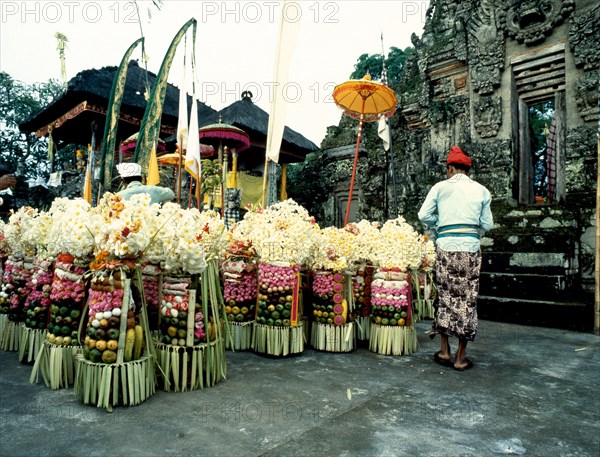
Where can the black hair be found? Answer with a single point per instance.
(460, 166)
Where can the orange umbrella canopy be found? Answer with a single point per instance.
(206, 151)
(365, 97)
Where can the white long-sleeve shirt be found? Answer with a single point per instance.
(461, 206)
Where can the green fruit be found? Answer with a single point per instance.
(182, 315)
(64, 311)
(95, 355)
(91, 332)
(270, 321)
(279, 307)
(174, 321)
(275, 315)
(393, 321)
(112, 334)
(278, 322)
(75, 314)
(397, 316)
(65, 330)
(181, 333)
(286, 313)
(239, 317)
(391, 308)
(385, 321)
(231, 317)
(403, 314)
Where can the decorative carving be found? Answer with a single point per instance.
(585, 39)
(581, 165)
(486, 49)
(488, 112)
(587, 95)
(530, 21)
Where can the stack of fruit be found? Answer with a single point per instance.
(277, 328)
(151, 278)
(67, 298)
(240, 290)
(392, 329)
(38, 301)
(240, 294)
(329, 305)
(277, 295)
(174, 313)
(106, 313)
(35, 311)
(391, 299)
(332, 328)
(14, 293)
(361, 291)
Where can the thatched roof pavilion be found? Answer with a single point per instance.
(82, 108)
(255, 121)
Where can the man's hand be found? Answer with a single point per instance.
(7, 181)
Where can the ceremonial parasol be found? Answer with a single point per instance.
(366, 101)
(206, 151)
(128, 146)
(222, 137)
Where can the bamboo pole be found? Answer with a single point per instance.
(264, 187)
(597, 269)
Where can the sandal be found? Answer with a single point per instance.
(440, 360)
(466, 367)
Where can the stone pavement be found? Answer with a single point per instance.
(535, 384)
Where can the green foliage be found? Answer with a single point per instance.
(18, 102)
(373, 64)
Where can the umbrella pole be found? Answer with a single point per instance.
(358, 137)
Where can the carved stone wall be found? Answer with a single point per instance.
(474, 65)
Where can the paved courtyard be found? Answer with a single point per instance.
(538, 385)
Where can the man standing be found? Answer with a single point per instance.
(131, 174)
(459, 210)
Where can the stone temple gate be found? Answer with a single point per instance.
(515, 84)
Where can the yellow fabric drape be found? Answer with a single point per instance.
(251, 187)
(153, 178)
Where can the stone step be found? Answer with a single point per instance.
(568, 315)
(527, 239)
(542, 263)
(523, 286)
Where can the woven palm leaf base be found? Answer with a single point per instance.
(278, 341)
(30, 343)
(56, 365)
(333, 338)
(239, 336)
(190, 368)
(425, 309)
(11, 333)
(393, 339)
(3, 321)
(108, 385)
(363, 328)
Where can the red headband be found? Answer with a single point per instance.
(456, 155)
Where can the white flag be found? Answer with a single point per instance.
(384, 132)
(182, 120)
(192, 156)
(286, 40)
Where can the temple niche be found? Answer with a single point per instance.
(515, 84)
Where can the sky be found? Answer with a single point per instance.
(235, 45)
